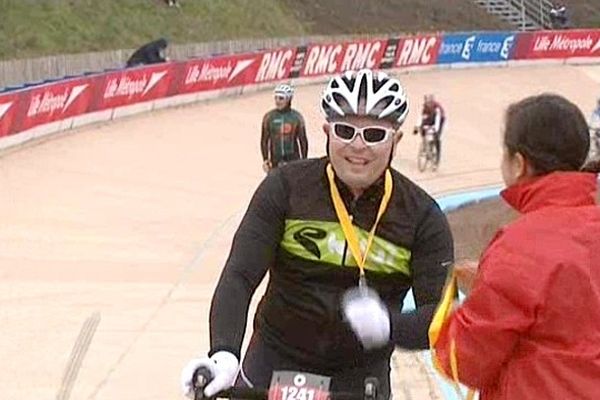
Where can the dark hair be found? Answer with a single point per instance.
(549, 131)
(162, 43)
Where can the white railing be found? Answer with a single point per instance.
(536, 10)
(522, 14)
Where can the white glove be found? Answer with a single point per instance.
(222, 365)
(368, 317)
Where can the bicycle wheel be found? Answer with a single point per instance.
(422, 158)
(434, 157)
(596, 148)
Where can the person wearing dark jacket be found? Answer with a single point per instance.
(559, 16)
(283, 132)
(530, 326)
(150, 53)
(344, 238)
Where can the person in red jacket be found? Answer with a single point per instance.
(530, 326)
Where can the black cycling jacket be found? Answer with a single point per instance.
(283, 136)
(291, 230)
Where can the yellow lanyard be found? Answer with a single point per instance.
(346, 222)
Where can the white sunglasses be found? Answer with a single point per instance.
(370, 135)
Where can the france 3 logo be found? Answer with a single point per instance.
(483, 47)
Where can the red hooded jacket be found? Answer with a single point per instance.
(530, 328)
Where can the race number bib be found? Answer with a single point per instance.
(287, 385)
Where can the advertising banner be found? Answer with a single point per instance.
(38, 105)
(476, 47)
(558, 44)
(417, 50)
(53, 102)
(324, 59)
(9, 104)
(235, 70)
(132, 86)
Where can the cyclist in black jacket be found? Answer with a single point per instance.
(328, 309)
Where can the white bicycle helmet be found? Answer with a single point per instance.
(365, 93)
(284, 90)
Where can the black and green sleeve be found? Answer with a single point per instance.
(432, 257)
(302, 140)
(252, 252)
(265, 137)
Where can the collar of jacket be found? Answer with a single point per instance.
(558, 189)
(283, 110)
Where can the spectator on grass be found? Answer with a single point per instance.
(150, 53)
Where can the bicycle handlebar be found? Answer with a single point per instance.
(242, 393)
(202, 377)
(263, 394)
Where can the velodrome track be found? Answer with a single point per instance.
(133, 219)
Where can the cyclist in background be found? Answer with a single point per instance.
(433, 115)
(283, 137)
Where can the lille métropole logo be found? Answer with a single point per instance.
(49, 101)
(154, 79)
(596, 46)
(75, 92)
(240, 67)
